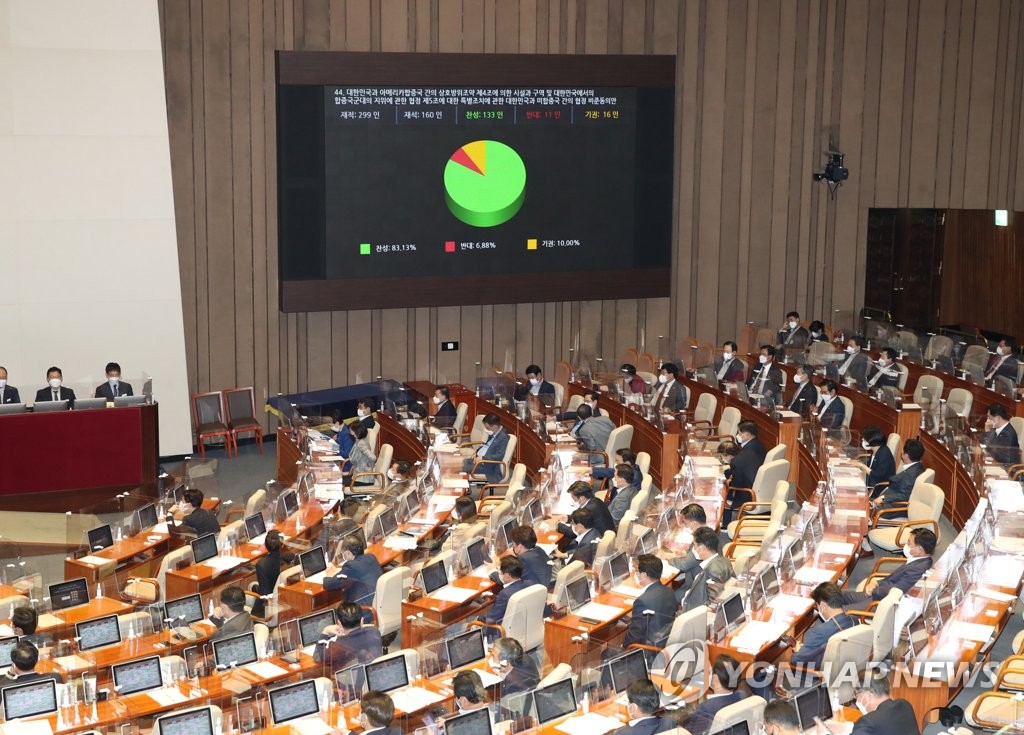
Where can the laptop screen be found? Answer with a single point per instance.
(6, 646)
(410, 503)
(289, 502)
(184, 610)
(383, 676)
(146, 517)
(68, 594)
(98, 632)
(477, 722)
(503, 540)
(293, 701)
(137, 676)
(312, 626)
(100, 538)
(235, 651)
(476, 551)
(465, 649)
(387, 522)
(203, 548)
(770, 582)
(194, 722)
(812, 703)
(733, 610)
(255, 526)
(313, 561)
(627, 669)
(29, 700)
(554, 701)
(578, 593)
(433, 577)
(618, 568)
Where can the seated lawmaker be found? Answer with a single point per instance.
(829, 605)
(655, 607)
(536, 564)
(728, 366)
(363, 456)
(536, 386)
(879, 465)
(633, 383)
(583, 495)
(715, 571)
(353, 643)
(24, 657)
(1003, 363)
(792, 335)
(268, 569)
(623, 455)
(24, 621)
(805, 395)
(593, 432)
(766, 380)
(623, 490)
(902, 483)
(492, 450)
(230, 617)
(590, 398)
(358, 573)
(817, 329)
(670, 395)
(918, 552)
(518, 672)
(376, 711)
(643, 702)
(8, 393)
(780, 719)
(444, 413)
(584, 547)
(830, 410)
(726, 674)
(114, 387)
(883, 715)
(884, 373)
(691, 517)
(743, 468)
(55, 391)
(196, 517)
(1001, 442)
(510, 574)
(464, 515)
(854, 366)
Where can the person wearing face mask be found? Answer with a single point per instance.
(670, 396)
(590, 398)
(231, 617)
(469, 692)
(268, 569)
(584, 546)
(832, 618)
(625, 491)
(643, 700)
(464, 530)
(855, 364)
(805, 395)
(593, 433)
(195, 516)
(817, 329)
(510, 574)
(354, 643)
(743, 468)
(715, 570)
(1003, 363)
(880, 714)
(399, 480)
(582, 494)
(655, 607)
(766, 380)
(884, 373)
(518, 672)
(918, 552)
(623, 455)
(692, 517)
(536, 564)
(54, 390)
(358, 574)
(780, 719)
(364, 412)
(792, 335)
(830, 410)
(902, 483)
(728, 367)
(363, 458)
(1001, 439)
(725, 690)
(114, 387)
(486, 463)
(633, 383)
(8, 393)
(444, 411)
(536, 386)
(376, 711)
(879, 465)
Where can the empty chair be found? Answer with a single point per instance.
(642, 497)
(704, 412)
(621, 437)
(241, 405)
(208, 415)
(960, 401)
(727, 424)
(929, 388)
(923, 510)
(559, 395)
(643, 461)
(939, 346)
(895, 444)
(149, 590)
(392, 588)
(975, 360)
(751, 527)
(775, 453)
(254, 504)
(459, 424)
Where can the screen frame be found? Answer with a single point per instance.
(194, 542)
(78, 581)
(36, 683)
(174, 717)
(217, 645)
(560, 683)
(480, 714)
(96, 621)
(390, 661)
(116, 667)
(182, 599)
(475, 633)
(308, 683)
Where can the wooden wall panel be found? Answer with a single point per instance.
(924, 96)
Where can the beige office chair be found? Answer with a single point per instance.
(504, 464)
(524, 616)
(974, 361)
(570, 572)
(149, 590)
(939, 345)
(557, 674)
(923, 510)
(752, 528)
(847, 651)
(928, 388)
(643, 461)
(727, 424)
(469, 441)
(847, 411)
(775, 453)
(261, 634)
(621, 437)
(377, 478)
(895, 444)
(254, 504)
(459, 424)
(498, 489)
(233, 533)
(960, 401)
(901, 381)
(749, 710)
(606, 546)
(883, 624)
(691, 625)
(392, 587)
(574, 402)
(373, 436)
(821, 353)
(642, 498)
(499, 513)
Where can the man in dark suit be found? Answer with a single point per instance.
(670, 395)
(231, 618)
(583, 495)
(828, 602)
(113, 388)
(728, 367)
(364, 412)
(55, 391)
(805, 395)
(743, 468)
(880, 466)
(518, 672)
(918, 551)
(492, 450)
(510, 574)
(830, 410)
(536, 564)
(8, 393)
(643, 700)
(726, 673)
(358, 574)
(902, 483)
(792, 335)
(655, 607)
(1001, 440)
(884, 373)
(24, 657)
(354, 644)
(715, 571)
(537, 386)
(692, 517)
(855, 365)
(883, 715)
(1003, 363)
(590, 398)
(584, 548)
(444, 415)
(376, 711)
(780, 719)
(198, 518)
(268, 569)
(766, 380)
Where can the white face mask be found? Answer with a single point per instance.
(906, 551)
(727, 356)
(815, 334)
(3, 383)
(798, 379)
(113, 381)
(793, 325)
(862, 708)
(763, 359)
(850, 350)
(362, 412)
(865, 444)
(1001, 351)
(534, 381)
(739, 438)
(437, 401)
(662, 379)
(882, 363)
(392, 476)
(820, 616)
(54, 383)
(489, 432)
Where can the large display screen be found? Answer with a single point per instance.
(414, 180)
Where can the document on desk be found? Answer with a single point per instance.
(329, 492)
(442, 503)
(626, 590)
(756, 634)
(972, 631)
(1006, 496)
(589, 724)
(311, 725)
(813, 575)
(547, 548)
(708, 471)
(838, 548)
(72, 663)
(398, 542)
(993, 594)
(1008, 544)
(1002, 571)
(317, 578)
(167, 696)
(597, 611)
(95, 561)
(455, 483)
(453, 594)
(264, 669)
(413, 699)
(791, 604)
(27, 727)
(850, 513)
(46, 620)
(223, 563)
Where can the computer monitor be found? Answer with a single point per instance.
(466, 648)
(289, 501)
(235, 651)
(409, 504)
(100, 538)
(532, 512)
(293, 701)
(122, 401)
(577, 593)
(433, 577)
(770, 584)
(626, 669)
(503, 537)
(68, 594)
(350, 682)
(311, 627)
(179, 493)
(140, 675)
(30, 700)
(646, 542)
(313, 561)
(193, 722)
(476, 553)
(85, 404)
(50, 406)
(203, 548)
(145, 517)
(11, 408)
(476, 722)
(734, 615)
(387, 522)
(97, 633)
(387, 674)
(255, 526)
(7, 645)
(554, 701)
(184, 610)
(813, 702)
(616, 569)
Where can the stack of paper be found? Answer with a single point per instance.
(311, 725)
(589, 724)
(265, 669)
(972, 631)
(1006, 496)
(756, 634)
(791, 604)
(813, 575)
(413, 699)
(72, 663)
(838, 548)
(223, 563)
(167, 696)
(597, 611)
(453, 594)
(398, 542)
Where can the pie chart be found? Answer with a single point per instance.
(484, 183)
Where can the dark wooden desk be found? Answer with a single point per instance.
(427, 615)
